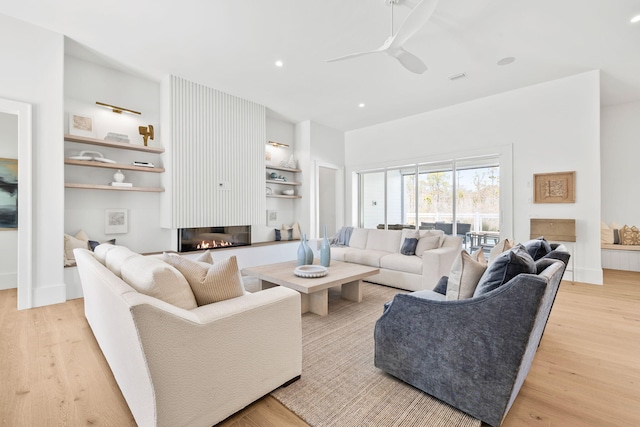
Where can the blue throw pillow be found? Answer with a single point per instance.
(504, 268)
(441, 286)
(93, 244)
(409, 246)
(278, 237)
(537, 248)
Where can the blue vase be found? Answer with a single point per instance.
(325, 250)
(302, 253)
(308, 251)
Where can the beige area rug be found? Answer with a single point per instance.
(340, 386)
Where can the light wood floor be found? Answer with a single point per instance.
(586, 371)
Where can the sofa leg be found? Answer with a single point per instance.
(291, 381)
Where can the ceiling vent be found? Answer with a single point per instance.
(457, 76)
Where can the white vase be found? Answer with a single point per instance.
(118, 176)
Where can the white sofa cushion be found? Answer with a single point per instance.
(399, 262)
(151, 276)
(210, 283)
(101, 252)
(359, 238)
(365, 257)
(384, 240)
(338, 253)
(115, 258)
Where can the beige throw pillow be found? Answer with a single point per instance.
(606, 233)
(80, 240)
(464, 277)
(629, 235)
(209, 283)
(151, 276)
(428, 242)
(205, 257)
(502, 246)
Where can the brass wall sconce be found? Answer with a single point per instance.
(277, 144)
(146, 132)
(118, 110)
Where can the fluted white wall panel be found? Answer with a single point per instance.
(217, 157)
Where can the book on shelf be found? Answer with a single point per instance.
(121, 184)
(116, 137)
(143, 164)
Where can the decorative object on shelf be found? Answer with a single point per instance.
(146, 132)
(143, 164)
(288, 192)
(292, 162)
(325, 250)
(558, 187)
(118, 110)
(277, 144)
(92, 155)
(269, 191)
(115, 221)
(9, 194)
(81, 125)
(273, 175)
(117, 137)
(310, 271)
(272, 218)
(118, 176)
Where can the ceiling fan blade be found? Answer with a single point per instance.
(414, 21)
(408, 60)
(354, 55)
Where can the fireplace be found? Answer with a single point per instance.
(196, 239)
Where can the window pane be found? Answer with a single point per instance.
(395, 196)
(435, 194)
(478, 198)
(371, 199)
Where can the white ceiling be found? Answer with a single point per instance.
(232, 45)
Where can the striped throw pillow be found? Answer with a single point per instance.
(209, 283)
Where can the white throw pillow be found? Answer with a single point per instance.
(464, 277)
(151, 276)
(101, 252)
(209, 283)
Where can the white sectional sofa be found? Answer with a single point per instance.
(186, 366)
(381, 249)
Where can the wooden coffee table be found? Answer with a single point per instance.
(315, 292)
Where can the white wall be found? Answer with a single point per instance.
(32, 72)
(86, 83)
(620, 151)
(551, 127)
(8, 238)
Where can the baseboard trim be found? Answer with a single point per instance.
(8, 281)
(48, 295)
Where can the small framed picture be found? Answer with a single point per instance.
(115, 221)
(81, 125)
(557, 187)
(272, 218)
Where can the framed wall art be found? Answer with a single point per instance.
(557, 187)
(81, 125)
(8, 194)
(115, 221)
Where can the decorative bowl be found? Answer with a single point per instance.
(310, 271)
(288, 192)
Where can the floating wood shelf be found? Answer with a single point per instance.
(274, 181)
(112, 188)
(283, 196)
(121, 166)
(280, 168)
(113, 144)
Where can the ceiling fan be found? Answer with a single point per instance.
(393, 45)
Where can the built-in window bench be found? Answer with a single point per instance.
(621, 257)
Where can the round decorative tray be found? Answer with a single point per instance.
(310, 271)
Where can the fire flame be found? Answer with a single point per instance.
(205, 244)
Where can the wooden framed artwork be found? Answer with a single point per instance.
(557, 187)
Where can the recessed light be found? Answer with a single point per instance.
(635, 19)
(507, 60)
(279, 63)
(361, 105)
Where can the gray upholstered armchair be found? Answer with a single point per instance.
(473, 354)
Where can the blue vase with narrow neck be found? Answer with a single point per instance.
(308, 251)
(325, 250)
(302, 253)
